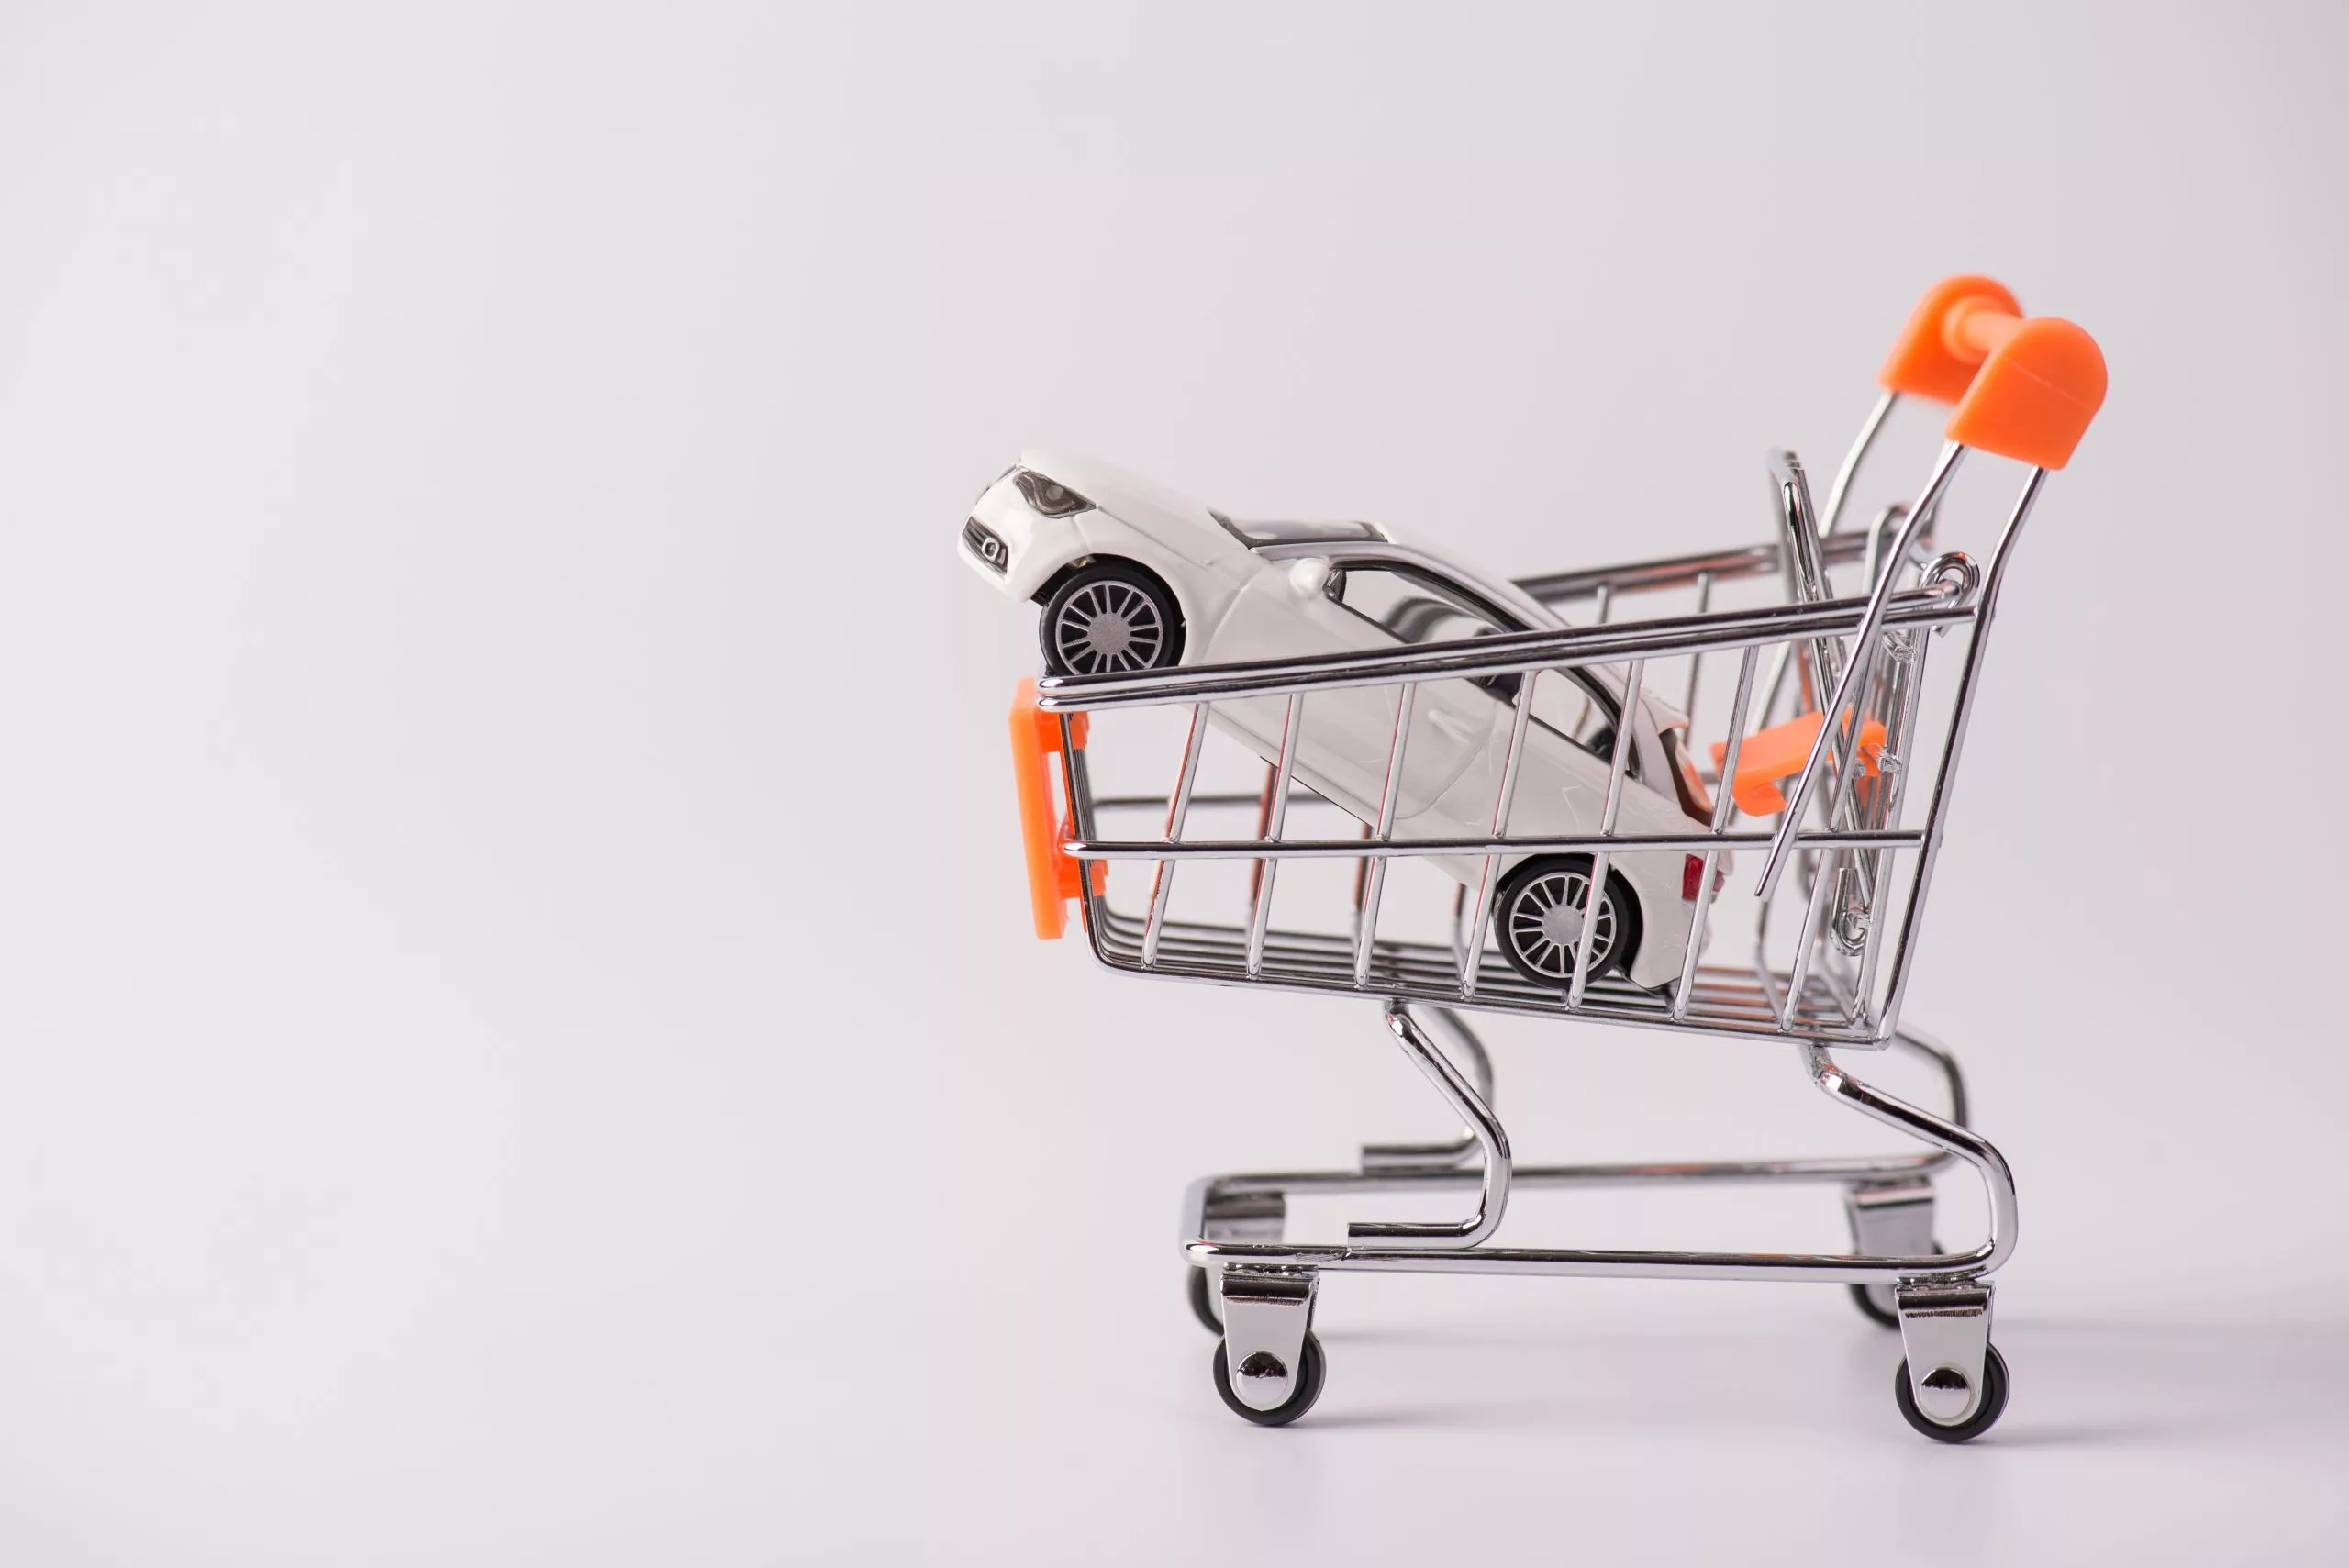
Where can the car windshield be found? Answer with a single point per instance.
(1415, 606)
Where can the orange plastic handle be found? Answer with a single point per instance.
(2025, 387)
(1053, 878)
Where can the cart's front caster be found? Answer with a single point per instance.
(1203, 1306)
(1947, 1390)
(1305, 1387)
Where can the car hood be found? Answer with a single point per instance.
(1173, 519)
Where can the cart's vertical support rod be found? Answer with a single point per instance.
(1723, 807)
(1863, 644)
(1696, 661)
(1891, 518)
(1473, 946)
(1892, 773)
(1841, 488)
(1463, 1098)
(1374, 883)
(1276, 815)
(1596, 892)
(1960, 714)
(1805, 573)
(1161, 887)
(1823, 883)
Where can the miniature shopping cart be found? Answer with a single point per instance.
(1824, 826)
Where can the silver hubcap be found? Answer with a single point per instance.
(1546, 925)
(1109, 627)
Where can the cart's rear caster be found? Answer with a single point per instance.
(1947, 1387)
(1203, 1302)
(1307, 1387)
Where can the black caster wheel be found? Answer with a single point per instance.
(1300, 1400)
(1203, 1305)
(1876, 1307)
(1985, 1414)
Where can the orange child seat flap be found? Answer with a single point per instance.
(1053, 877)
(1778, 752)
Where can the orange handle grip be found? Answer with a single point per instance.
(2025, 387)
(1053, 877)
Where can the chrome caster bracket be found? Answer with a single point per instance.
(1267, 1313)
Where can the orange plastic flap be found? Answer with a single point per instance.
(1778, 752)
(1053, 877)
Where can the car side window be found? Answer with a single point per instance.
(1407, 607)
(1414, 608)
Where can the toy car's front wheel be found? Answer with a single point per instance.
(1111, 618)
(1539, 920)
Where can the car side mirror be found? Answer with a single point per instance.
(1310, 576)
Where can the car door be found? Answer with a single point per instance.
(1338, 604)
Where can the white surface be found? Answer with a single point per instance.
(477, 596)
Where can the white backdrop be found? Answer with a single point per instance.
(519, 1038)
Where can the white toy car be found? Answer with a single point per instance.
(1132, 576)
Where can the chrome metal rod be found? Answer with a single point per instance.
(1419, 1156)
(1678, 571)
(1356, 849)
(1806, 573)
(1204, 800)
(1472, 947)
(1871, 623)
(1838, 491)
(1276, 814)
(1463, 1097)
(1997, 1180)
(1501, 654)
(1374, 884)
(1724, 806)
(1986, 608)
(1210, 1192)
(1886, 521)
(1162, 885)
(1696, 661)
(1594, 895)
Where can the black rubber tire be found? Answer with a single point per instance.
(1618, 895)
(1309, 1387)
(1986, 1415)
(1870, 1311)
(1199, 1289)
(1134, 589)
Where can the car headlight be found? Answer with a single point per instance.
(1049, 497)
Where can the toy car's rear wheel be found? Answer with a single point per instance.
(1539, 920)
(1111, 618)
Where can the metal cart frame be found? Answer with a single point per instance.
(1861, 887)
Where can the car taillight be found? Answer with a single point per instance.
(1692, 877)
